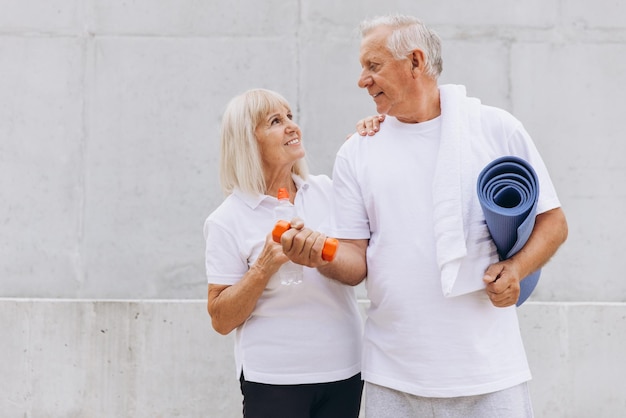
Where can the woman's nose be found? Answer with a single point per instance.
(292, 126)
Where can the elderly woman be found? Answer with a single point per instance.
(297, 347)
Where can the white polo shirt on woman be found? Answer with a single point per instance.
(305, 333)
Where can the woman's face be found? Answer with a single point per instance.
(279, 139)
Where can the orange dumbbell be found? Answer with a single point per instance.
(330, 245)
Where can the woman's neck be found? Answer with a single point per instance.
(272, 184)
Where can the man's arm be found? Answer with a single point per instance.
(349, 265)
(304, 246)
(503, 278)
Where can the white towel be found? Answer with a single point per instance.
(458, 219)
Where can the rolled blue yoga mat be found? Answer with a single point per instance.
(508, 190)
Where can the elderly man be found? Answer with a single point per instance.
(407, 216)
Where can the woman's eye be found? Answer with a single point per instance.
(275, 121)
(289, 116)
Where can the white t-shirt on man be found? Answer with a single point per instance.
(415, 339)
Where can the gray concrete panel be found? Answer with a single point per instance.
(153, 114)
(569, 97)
(575, 352)
(81, 358)
(195, 18)
(65, 358)
(42, 17)
(41, 165)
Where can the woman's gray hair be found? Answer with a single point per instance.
(240, 161)
(409, 34)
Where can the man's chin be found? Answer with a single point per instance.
(382, 109)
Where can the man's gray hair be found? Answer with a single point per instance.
(409, 34)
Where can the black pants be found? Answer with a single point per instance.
(340, 399)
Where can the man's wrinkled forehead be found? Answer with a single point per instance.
(374, 45)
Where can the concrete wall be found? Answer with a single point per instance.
(109, 114)
(161, 359)
(88, 359)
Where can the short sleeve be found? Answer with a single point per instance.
(349, 219)
(522, 145)
(224, 262)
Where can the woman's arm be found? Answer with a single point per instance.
(369, 126)
(231, 305)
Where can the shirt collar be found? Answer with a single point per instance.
(254, 200)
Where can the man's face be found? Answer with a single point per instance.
(387, 80)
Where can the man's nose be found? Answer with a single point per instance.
(364, 80)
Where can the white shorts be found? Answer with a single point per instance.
(383, 402)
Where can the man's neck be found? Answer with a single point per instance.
(425, 107)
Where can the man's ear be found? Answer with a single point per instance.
(418, 60)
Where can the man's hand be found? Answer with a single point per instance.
(303, 245)
(503, 278)
(503, 283)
